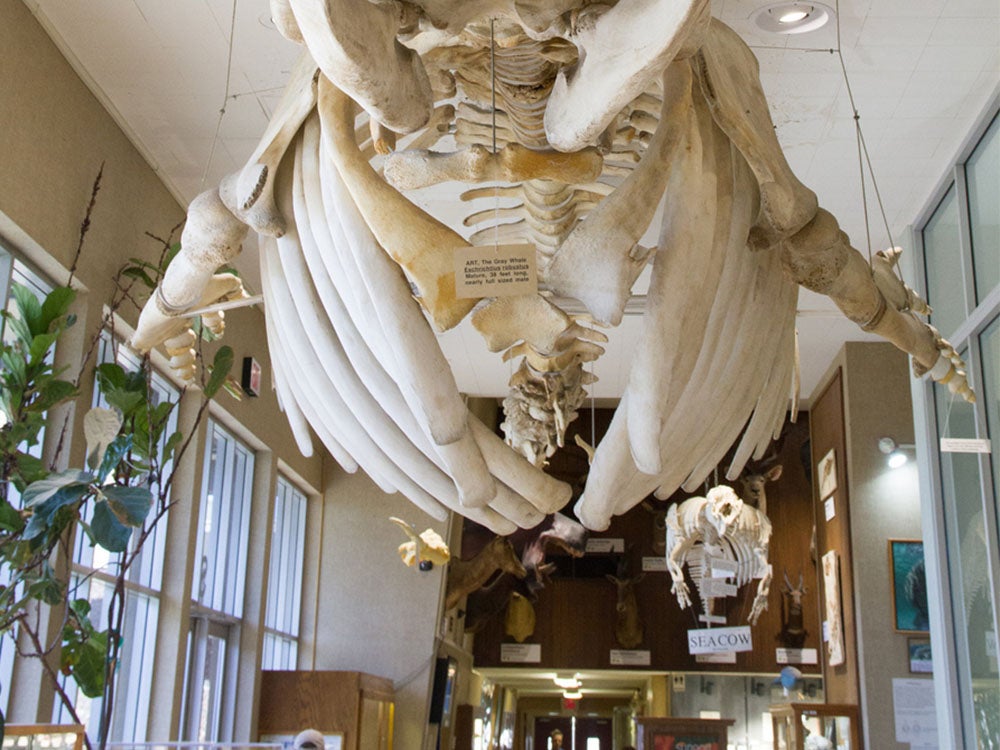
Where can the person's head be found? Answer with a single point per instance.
(557, 739)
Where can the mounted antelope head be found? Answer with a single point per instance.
(628, 626)
(752, 482)
(793, 633)
(465, 576)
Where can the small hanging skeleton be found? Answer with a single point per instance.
(718, 537)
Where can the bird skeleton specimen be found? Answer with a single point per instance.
(603, 113)
(425, 549)
(718, 530)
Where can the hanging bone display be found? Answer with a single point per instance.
(718, 537)
(583, 122)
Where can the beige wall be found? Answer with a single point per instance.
(374, 614)
(884, 504)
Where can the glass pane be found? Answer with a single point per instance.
(944, 266)
(972, 598)
(225, 515)
(287, 549)
(989, 342)
(982, 176)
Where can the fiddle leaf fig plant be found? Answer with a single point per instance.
(114, 500)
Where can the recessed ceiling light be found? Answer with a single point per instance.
(792, 17)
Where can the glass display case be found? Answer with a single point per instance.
(43, 737)
(815, 726)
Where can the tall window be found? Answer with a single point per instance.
(960, 243)
(223, 531)
(284, 580)
(94, 570)
(13, 271)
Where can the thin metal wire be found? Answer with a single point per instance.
(863, 155)
(225, 98)
(493, 116)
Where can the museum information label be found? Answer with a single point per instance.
(714, 588)
(719, 640)
(654, 564)
(796, 656)
(501, 271)
(521, 653)
(964, 445)
(727, 657)
(605, 544)
(629, 658)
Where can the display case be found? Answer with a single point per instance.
(667, 733)
(352, 708)
(43, 737)
(795, 724)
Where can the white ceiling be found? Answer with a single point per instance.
(920, 71)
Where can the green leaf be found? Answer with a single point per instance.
(47, 589)
(88, 663)
(38, 492)
(52, 393)
(10, 518)
(139, 274)
(41, 344)
(221, 366)
(123, 400)
(113, 456)
(31, 468)
(108, 531)
(55, 306)
(110, 375)
(29, 308)
(171, 445)
(129, 504)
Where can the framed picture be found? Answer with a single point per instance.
(909, 585)
(834, 622)
(826, 470)
(918, 653)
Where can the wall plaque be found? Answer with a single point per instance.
(521, 653)
(629, 658)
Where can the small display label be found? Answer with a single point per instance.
(965, 445)
(629, 658)
(829, 508)
(726, 657)
(654, 564)
(501, 271)
(796, 656)
(604, 544)
(521, 653)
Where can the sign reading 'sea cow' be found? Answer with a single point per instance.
(719, 640)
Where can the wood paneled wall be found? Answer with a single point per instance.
(576, 616)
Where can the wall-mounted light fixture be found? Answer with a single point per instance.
(894, 451)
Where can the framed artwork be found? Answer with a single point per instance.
(831, 602)
(909, 586)
(826, 470)
(918, 654)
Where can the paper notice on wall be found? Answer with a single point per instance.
(502, 271)
(521, 653)
(796, 656)
(629, 658)
(914, 712)
(829, 508)
(654, 564)
(964, 445)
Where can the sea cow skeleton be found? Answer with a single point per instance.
(719, 526)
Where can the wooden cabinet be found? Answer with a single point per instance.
(662, 733)
(795, 723)
(354, 705)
